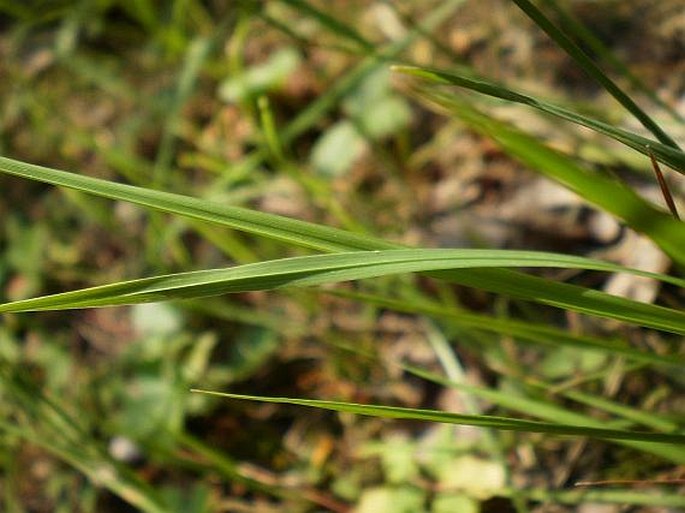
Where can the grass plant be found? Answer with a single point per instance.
(560, 366)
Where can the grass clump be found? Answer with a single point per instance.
(265, 208)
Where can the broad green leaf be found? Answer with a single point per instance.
(670, 156)
(504, 423)
(337, 149)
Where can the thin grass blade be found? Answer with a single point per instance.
(504, 423)
(594, 71)
(524, 331)
(607, 193)
(672, 157)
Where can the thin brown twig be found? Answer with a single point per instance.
(663, 185)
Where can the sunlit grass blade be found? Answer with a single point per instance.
(330, 239)
(672, 157)
(564, 295)
(593, 70)
(504, 423)
(274, 227)
(588, 38)
(521, 330)
(550, 411)
(543, 408)
(321, 269)
(607, 193)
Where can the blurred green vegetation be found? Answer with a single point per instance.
(290, 107)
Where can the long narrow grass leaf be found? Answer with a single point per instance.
(521, 330)
(310, 270)
(330, 239)
(672, 157)
(505, 423)
(588, 38)
(607, 193)
(593, 70)
(550, 412)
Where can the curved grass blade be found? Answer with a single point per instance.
(330, 239)
(291, 231)
(551, 412)
(315, 270)
(594, 71)
(672, 157)
(609, 194)
(504, 423)
(566, 296)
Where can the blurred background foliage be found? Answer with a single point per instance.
(289, 106)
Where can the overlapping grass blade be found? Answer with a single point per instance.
(275, 227)
(590, 40)
(566, 296)
(551, 412)
(521, 330)
(311, 270)
(672, 157)
(329, 239)
(593, 70)
(503, 423)
(607, 193)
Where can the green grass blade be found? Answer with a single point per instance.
(581, 32)
(671, 157)
(544, 409)
(313, 270)
(566, 296)
(594, 71)
(504, 423)
(338, 28)
(104, 472)
(280, 228)
(325, 238)
(646, 418)
(607, 193)
(523, 331)
(550, 412)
